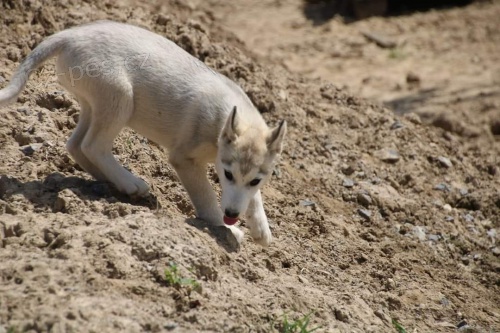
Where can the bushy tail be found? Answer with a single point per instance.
(47, 49)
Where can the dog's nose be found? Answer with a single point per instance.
(231, 213)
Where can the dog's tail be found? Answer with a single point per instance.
(45, 50)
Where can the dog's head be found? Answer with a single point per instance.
(245, 160)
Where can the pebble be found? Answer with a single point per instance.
(364, 199)
(444, 161)
(384, 317)
(442, 187)
(468, 218)
(462, 325)
(365, 213)
(397, 125)
(492, 233)
(170, 326)
(347, 169)
(464, 191)
(419, 232)
(307, 203)
(347, 182)
(29, 150)
(447, 207)
(445, 301)
(449, 218)
(24, 110)
(388, 155)
(434, 238)
(341, 315)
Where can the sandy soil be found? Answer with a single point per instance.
(377, 216)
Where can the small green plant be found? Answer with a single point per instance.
(173, 278)
(396, 53)
(11, 329)
(399, 328)
(297, 326)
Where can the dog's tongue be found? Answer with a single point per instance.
(230, 220)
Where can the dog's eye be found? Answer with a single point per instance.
(255, 182)
(228, 175)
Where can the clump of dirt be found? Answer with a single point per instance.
(376, 217)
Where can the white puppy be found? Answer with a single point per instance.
(123, 75)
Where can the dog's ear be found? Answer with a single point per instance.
(230, 131)
(275, 139)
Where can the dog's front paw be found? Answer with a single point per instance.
(261, 234)
(237, 233)
(134, 187)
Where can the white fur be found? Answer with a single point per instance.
(123, 75)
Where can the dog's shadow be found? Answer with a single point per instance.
(43, 193)
(222, 235)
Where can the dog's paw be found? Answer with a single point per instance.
(135, 187)
(237, 233)
(262, 236)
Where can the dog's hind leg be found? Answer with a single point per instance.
(257, 221)
(193, 176)
(74, 144)
(110, 113)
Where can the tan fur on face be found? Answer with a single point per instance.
(249, 150)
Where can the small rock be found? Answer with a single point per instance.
(347, 169)
(464, 191)
(364, 199)
(492, 233)
(29, 150)
(414, 118)
(348, 183)
(442, 187)
(397, 125)
(445, 162)
(462, 324)
(419, 233)
(60, 240)
(170, 326)
(496, 251)
(303, 279)
(495, 127)
(388, 155)
(390, 284)
(342, 315)
(434, 238)
(412, 78)
(447, 208)
(24, 110)
(307, 203)
(365, 213)
(379, 39)
(449, 218)
(383, 316)
(468, 218)
(492, 169)
(163, 19)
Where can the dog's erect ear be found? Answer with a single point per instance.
(275, 139)
(230, 131)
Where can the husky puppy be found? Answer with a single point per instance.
(124, 75)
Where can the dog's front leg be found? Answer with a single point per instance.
(257, 221)
(194, 178)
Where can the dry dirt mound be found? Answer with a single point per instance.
(375, 217)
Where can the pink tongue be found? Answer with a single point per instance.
(230, 220)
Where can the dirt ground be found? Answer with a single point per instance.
(385, 206)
